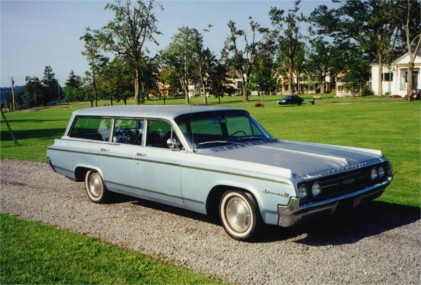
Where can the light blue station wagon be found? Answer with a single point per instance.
(215, 161)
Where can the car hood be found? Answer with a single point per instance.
(303, 159)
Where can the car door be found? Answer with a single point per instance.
(117, 160)
(158, 167)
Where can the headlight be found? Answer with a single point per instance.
(381, 172)
(316, 189)
(373, 174)
(302, 191)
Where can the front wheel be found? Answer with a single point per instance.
(239, 214)
(95, 188)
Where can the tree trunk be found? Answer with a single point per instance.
(323, 88)
(409, 82)
(186, 92)
(204, 97)
(380, 76)
(138, 96)
(291, 81)
(244, 89)
(95, 91)
(202, 86)
(185, 85)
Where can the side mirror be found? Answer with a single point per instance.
(173, 144)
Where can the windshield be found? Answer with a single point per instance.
(215, 128)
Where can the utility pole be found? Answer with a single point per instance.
(13, 94)
(58, 91)
(8, 126)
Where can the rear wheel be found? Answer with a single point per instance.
(239, 214)
(95, 188)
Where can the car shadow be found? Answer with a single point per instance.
(43, 134)
(347, 227)
(174, 210)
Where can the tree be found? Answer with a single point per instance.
(181, 58)
(321, 61)
(168, 81)
(356, 67)
(33, 91)
(150, 74)
(204, 59)
(96, 61)
(72, 87)
(218, 81)
(117, 80)
(86, 92)
(262, 78)
(367, 22)
(133, 25)
(289, 39)
(51, 87)
(408, 16)
(244, 59)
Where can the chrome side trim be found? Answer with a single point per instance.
(172, 164)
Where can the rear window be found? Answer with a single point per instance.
(91, 128)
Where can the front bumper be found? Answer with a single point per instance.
(294, 213)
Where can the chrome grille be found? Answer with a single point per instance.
(344, 183)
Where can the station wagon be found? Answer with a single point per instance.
(216, 161)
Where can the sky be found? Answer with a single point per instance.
(35, 34)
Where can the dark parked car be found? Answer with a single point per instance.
(291, 99)
(416, 94)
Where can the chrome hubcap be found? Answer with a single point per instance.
(238, 214)
(95, 185)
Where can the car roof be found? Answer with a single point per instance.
(151, 111)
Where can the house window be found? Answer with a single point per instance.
(388, 76)
(402, 82)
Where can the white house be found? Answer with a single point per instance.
(395, 76)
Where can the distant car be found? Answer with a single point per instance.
(290, 100)
(214, 161)
(416, 94)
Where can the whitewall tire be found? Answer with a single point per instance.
(95, 187)
(239, 214)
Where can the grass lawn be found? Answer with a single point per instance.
(32, 253)
(392, 126)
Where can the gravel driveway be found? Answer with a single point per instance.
(376, 244)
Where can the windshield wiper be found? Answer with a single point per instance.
(249, 138)
(216, 142)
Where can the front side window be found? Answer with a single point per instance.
(158, 134)
(92, 128)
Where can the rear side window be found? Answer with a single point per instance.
(91, 128)
(128, 131)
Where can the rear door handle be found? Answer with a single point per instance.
(140, 154)
(104, 149)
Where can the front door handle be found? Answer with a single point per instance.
(104, 149)
(140, 154)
